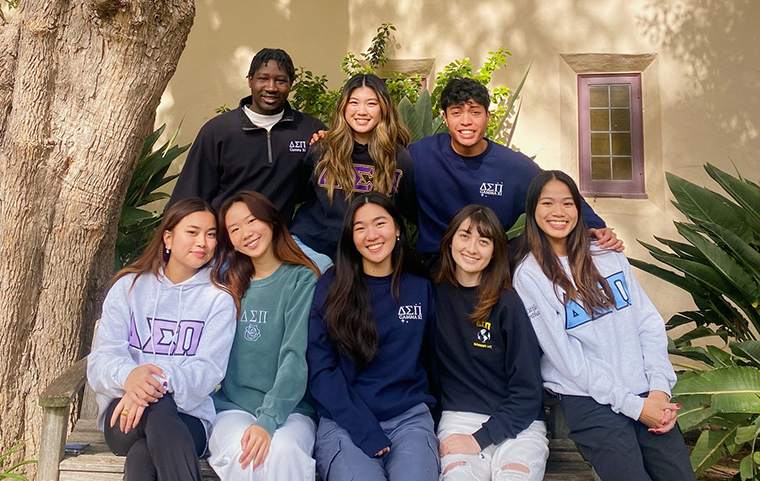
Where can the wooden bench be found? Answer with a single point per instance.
(97, 463)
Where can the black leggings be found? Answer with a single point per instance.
(164, 446)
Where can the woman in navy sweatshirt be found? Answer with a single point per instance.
(365, 150)
(488, 358)
(369, 334)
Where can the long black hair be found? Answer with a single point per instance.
(587, 286)
(350, 321)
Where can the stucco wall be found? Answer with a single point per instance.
(701, 93)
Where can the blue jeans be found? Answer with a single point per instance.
(322, 261)
(413, 455)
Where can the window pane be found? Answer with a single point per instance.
(600, 168)
(621, 144)
(621, 119)
(600, 144)
(620, 96)
(622, 168)
(600, 119)
(598, 96)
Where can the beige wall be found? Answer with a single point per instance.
(702, 90)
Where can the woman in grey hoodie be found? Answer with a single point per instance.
(162, 348)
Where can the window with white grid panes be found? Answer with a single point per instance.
(611, 139)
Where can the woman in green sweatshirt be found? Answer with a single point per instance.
(264, 429)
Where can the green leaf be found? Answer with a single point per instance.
(746, 468)
(684, 283)
(697, 333)
(720, 357)
(699, 203)
(749, 257)
(744, 434)
(410, 119)
(695, 411)
(749, 350)
(733, 389)
(709, 449)
(745, 193)
(722, 262)
(517, 228)
(424, 112)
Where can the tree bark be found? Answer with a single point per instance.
(80, 81)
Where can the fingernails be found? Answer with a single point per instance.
(679, 406)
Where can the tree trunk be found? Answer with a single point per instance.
(80, 81)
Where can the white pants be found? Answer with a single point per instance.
(530, 449)
(289, 458)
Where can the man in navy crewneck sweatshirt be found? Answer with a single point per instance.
(462, 167)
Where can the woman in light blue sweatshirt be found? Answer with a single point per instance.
(161, 349)
(265, 428)
(604, 344)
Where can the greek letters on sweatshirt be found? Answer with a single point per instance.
(612, 356)
(319, 220)
(446, 181)
(231, 154)
(267, 372)
(395, 380)
(186, 329)
(490, 368)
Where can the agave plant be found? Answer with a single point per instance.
(719, 265)
(137, 224)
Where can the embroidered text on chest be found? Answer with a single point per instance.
(576, 315)
(407, 313)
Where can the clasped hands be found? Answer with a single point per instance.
(659, 414)
(142, 388)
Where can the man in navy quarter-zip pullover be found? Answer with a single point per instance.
(258, 146)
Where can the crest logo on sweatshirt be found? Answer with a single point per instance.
(169, 338)
(484, 335)
(298, 146)
(407, 313)
(488, 188)
(252, 333)
(576, 315)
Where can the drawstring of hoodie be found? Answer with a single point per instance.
(153, 322)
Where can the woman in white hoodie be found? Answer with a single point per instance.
(162, 348)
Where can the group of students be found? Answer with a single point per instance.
(378, 367)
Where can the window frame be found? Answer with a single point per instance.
(632, 189)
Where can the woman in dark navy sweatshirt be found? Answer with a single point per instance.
(488, 359)
(364, 151)
(369, 333)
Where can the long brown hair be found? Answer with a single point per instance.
(349, 316)
(587, 286)
(337, 147)
(154, 258)
(234, 269)
(495, 277)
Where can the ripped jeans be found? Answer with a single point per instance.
(523, 458)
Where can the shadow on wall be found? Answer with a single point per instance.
(716, 41)
(224, 38)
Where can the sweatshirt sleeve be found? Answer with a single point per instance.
(292, 373)
(197, 377)
(522, 365)
(109, 363)
(329, 386)
(201, 172)
(591, 375)
(652, 336)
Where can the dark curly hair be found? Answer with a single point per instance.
(459, 90)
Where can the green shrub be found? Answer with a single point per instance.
(137, 224)
(10, 471)
(719, 266)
